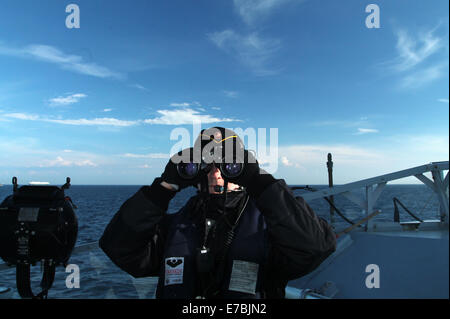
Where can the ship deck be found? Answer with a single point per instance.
(411, 264)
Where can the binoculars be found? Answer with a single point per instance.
(193, 170)
(230, 164)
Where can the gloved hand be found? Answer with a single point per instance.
(171, 176)
(254, 179)
(251, 170)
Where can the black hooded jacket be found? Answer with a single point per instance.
(299, 240)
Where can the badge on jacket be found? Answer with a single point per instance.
(244, 276)
(174, 271)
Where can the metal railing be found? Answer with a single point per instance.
(373, 187)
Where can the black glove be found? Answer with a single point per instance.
(252, 177)
(251, 169)
(171, 176)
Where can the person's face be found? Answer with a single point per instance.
(215, 178)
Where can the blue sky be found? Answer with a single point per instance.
(98, 103)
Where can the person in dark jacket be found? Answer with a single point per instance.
(244, 235)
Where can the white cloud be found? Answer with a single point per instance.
(366, 131)
(65, 61)
(253, 11)
(32, 161)
(89, 122)
(151, 155)
(346, 124)
(60, 162)
(342, 123)
(140, 87)
(352, 163)
(105, 121)
(29, 152)
(253, 51)
(420, 58)
(231, 94)
(435, 147)
(22, 116)
(168, 117)
(215, 108)
(413, 51)
(285, 161)
(107, 110)
(443, 100)
(185, 104)
(70, 99)
(185, 116)
(424, 76)
(304, 154)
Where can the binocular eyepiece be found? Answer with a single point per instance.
(192, 170)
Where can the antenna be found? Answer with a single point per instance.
(14, 182)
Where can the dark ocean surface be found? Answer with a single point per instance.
(100, 278)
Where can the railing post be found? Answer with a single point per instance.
(369, 205)
(438, 177)
(330, 184)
